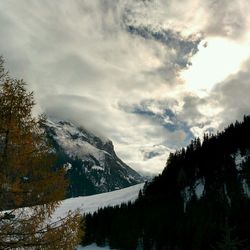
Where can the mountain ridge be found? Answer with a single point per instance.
(90, 161)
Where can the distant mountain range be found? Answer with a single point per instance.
(90, 161)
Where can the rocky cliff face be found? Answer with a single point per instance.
(90, 161)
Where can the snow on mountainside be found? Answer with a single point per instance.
(90, 204)
(77, 142)
(240, 161)
(197, 189)
(90, 161)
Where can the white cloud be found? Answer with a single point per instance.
(84, 65)
(214, 62)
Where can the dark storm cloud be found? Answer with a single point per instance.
(179, 49)
(184, 48)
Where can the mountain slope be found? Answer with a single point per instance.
(91, 162)
(217, 168)
(90, 204)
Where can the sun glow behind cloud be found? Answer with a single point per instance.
(216, 60)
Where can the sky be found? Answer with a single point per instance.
(150, 75)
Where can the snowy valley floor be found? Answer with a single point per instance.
(92, 247)
(90, 204)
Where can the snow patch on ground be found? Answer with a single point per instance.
(98, 168)
(92, 247)
(187, 195)
(67, 166)
(227, 196)
(239, 159)
(199, 187)
(246, 188)
(101, 182)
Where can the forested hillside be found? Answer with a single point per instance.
(200, 201)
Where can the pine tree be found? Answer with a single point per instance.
(228, 242)
(27, 178)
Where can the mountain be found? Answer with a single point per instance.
(217, 168)
(90, 161)
(201, 200)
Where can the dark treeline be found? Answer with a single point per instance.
(200, 201)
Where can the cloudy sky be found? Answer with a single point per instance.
(148, 74)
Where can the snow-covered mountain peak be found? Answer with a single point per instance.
(95, 167)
